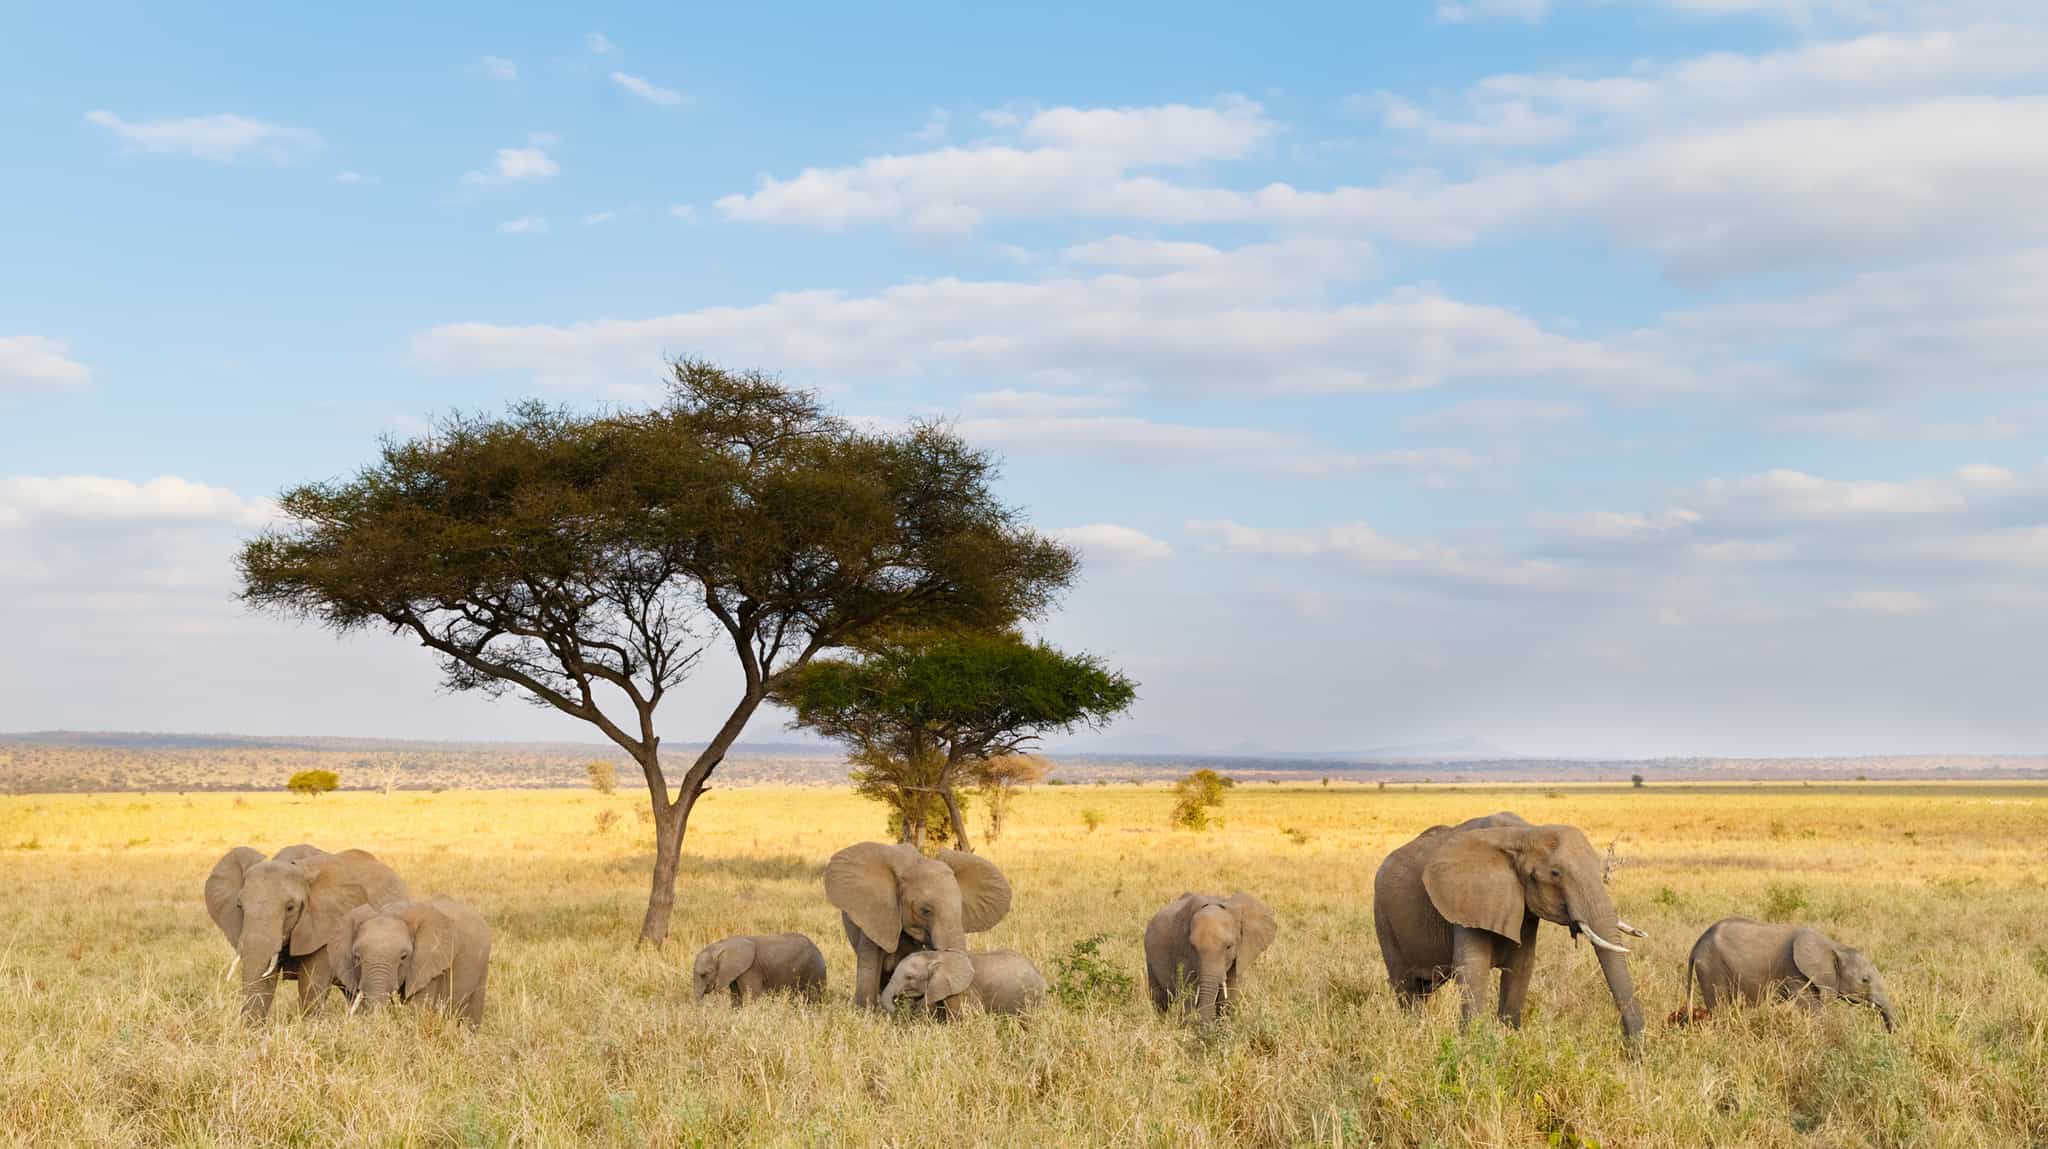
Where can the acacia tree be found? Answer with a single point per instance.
(921, 713)
(998, 779)
(590, 562)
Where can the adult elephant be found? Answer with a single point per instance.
(280, 914)
(1461, 901)
(895, 901)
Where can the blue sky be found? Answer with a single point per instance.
(1636, 376)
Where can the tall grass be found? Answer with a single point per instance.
(117, 1027)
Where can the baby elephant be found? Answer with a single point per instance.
(761, 963)
(1738, 957)
(436, 951)
(1207, 942)
(953, 983)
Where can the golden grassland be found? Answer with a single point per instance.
(117, 1028)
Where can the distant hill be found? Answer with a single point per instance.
(144, 740)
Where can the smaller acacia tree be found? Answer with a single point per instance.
(920, 714)
(604, 777)
(313, 782)
(1197, 794)
(998, 779)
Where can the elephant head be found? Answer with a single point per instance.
(287, 907)
(1227, 936)
(396, 949)
(720, 963)
(888, 891)
(1492, 878)
(1836, 969)
(930, 977)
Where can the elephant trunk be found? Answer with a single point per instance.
(1208, 997)
(376, 985)
(1885, 1010)
(1593, 912)
(261, 952)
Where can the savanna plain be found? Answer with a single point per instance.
(117, 1027)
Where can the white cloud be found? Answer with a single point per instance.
(1053, 162)
(1617, 526)
(498, 68)
(92, 498)
(936, 125)
(684, 212)
(1242, 321)
(1499, 123)
(1889, 602)
(519, 165)
(352, 177)
(1527, 11)
(1492, 417)
(524, 225)
(1129, 438)
(224, 138)
(597, 218)
(1113, 543)
(598, 44)
(652, 93)
(1360, 546)
(1788, 493)
(33, 361)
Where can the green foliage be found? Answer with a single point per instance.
(1091, 818)
(1195, 796)
(1083, 977)
(312, 782)
(604, 776)
(1635, 781)
(1782, 902)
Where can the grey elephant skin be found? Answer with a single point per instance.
(751, 965)
(1461, 901)
(951, 984)
(895, 901)
(1205, 942)
(1752, 961)
(280, 913)
(435, 953)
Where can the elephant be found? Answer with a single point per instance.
(1461, 901)
(1208, 940)
(437, 952)
(950, 983)
(894, 901)
(1752, 960)
(279, 914)
(752, 965)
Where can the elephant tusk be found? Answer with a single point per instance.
(273, 964)
(354, 1004)
(230, 974)
(1601, 942)
(1629, 929)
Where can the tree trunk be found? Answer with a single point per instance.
(960, 841)
(669, 822)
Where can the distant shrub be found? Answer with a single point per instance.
(312, 782)
(1196, 795)
(606, 819)
(1083, 976)
(1326, 781)
(1783, 902)
(1091, 818)
(604, 776)
(1297, 836)
(1636, 780)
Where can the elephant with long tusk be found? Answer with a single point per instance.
(1461, 901)
(279, 914)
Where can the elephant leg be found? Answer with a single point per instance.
(315, 975)
(748, 986)
(1472, 959)
(1516, 974)
(867, 976)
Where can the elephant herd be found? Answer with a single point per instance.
(1454, 904)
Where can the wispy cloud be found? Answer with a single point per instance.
(519, 165)
(498, 68)
(597, 218)
(223, 138)
(597, 43)
(524, 225)
(33, 361)
(1113, 543)
(651, 92)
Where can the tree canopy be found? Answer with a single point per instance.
(590, 561)
(919, 712)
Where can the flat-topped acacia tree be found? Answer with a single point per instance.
(922, 713)
(590, 561)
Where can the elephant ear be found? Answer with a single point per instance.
(1255, 926)
(224, 890)
(1471, 881)
(433, 944)
(336, 884)
(735, 956)
(341, 949)
(861, 881)
(298, 853)
(984, 892)
(952, 973)
(1816, 959)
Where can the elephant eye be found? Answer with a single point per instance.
(1556, 873)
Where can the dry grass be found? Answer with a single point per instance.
(116, 1027)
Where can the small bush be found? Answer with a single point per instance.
(1196, 795)
(312, 782)
(1783, 902)
(1083, 976)
(1636, 780)
(1298, 837)
(604, 776)
(1091, 818)
(606, 819)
